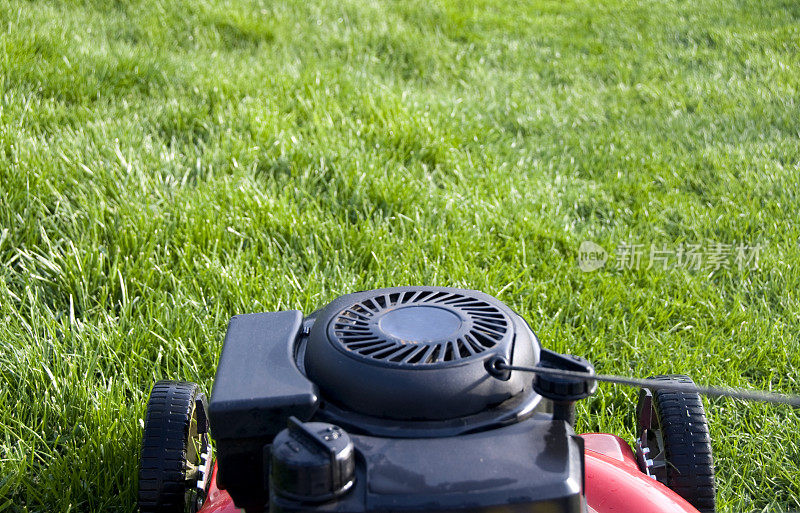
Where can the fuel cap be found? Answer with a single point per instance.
(312, 461)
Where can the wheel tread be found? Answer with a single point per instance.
(167, 421)
(687, 442)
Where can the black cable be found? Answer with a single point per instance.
(652, 384)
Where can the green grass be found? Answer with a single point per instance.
(164, 166)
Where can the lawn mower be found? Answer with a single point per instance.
(413, 399)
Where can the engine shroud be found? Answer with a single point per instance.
(402, 372)
(416, 353)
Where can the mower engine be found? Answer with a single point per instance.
(411, 399)
(394, 399)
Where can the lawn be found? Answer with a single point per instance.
(165, 165)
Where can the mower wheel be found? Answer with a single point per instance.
(674, 445)
(175, 449)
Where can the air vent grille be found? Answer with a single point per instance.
(419, 327)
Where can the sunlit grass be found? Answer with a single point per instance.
(164, 166)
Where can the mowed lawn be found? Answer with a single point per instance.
(165, 165)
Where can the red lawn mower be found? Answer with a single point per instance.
(412, 399)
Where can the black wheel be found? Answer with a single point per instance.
(674, 445)
(175, 449)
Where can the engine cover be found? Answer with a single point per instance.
(533, 466)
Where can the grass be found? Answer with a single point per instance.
(164, 166)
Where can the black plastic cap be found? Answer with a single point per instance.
(312, 461)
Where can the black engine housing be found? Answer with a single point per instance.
(391, 406)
